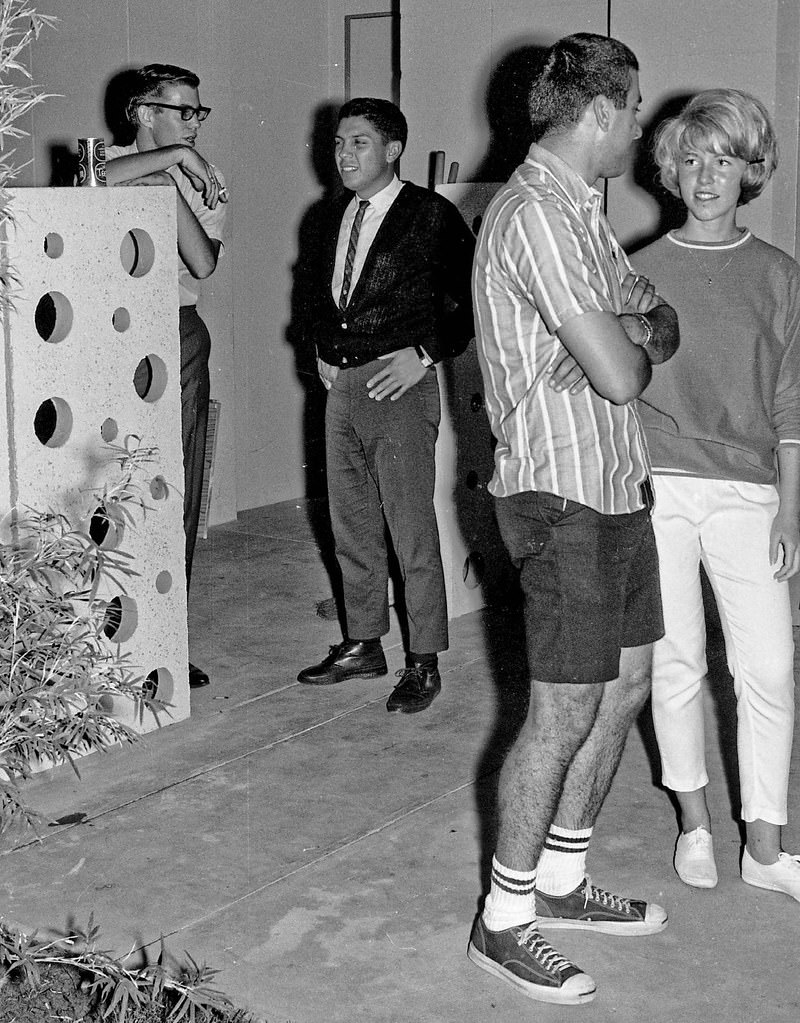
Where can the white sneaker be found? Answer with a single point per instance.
(782, 876)
(694, 859)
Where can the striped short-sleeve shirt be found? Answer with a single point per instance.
(546, 254)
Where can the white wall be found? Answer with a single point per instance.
(264, 69)
(684, 47)
(270, 68)
(456, 54)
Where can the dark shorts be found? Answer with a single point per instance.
(590, 583)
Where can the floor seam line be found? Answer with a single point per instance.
(190, 777)
(319, 859)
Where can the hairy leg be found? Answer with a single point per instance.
(594, 765)
(560, 717)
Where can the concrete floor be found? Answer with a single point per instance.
(328, 858)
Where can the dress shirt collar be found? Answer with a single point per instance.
(563, 180)
(381, 201)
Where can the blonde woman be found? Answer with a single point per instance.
(723, 427)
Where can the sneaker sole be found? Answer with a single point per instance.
(698, 882)
(769, 887)
(538, 992)
(621, 928)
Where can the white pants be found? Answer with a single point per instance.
(726, 526)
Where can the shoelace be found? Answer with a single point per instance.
(531, 940)
(406, 673)
(698, 837)
(592, 894)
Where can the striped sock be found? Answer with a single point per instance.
(562, 864)
(510, 901)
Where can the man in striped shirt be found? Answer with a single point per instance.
(567, 336)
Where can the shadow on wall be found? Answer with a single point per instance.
(672, 212)
(309, 246)
(62, 152)
(118, 88)
(506, 107)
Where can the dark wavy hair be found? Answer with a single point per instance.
(724, 121)
(576, 70)
(150, 80)
(386, 118)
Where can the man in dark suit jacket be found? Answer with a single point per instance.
(388, 299)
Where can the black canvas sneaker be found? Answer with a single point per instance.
(521, 957)
(592, 909)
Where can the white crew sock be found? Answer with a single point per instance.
(562, 864)
(510, 901)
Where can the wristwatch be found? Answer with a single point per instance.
(647, 326)
(424, 358)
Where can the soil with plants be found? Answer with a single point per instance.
(62, 995)
(71, 981)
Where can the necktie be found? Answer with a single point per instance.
(349, 259)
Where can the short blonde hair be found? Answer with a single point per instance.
(724, 121)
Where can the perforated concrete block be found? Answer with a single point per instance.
(476, 565)
(97, 296)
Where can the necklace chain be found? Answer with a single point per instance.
(704, 267)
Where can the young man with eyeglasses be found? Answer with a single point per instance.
(164, 110)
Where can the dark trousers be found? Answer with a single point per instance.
(381, 472)
(195, 391)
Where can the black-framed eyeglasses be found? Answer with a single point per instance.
(187, 112)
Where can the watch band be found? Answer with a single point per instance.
(648, 329)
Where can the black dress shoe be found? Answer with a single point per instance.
(418, 687)
(350, 659)
(197, 677)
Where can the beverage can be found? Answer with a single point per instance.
(91, 162)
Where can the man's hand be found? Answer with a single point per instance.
(201, 176)
(565, 374)
(638, 294)
(327, 373)
(404, 370)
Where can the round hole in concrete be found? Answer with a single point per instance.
(150, 378)
(164, 582)
(474, 570)
(121, 319)
(52, 423)
(121, 618)
(53, 317)
(137, 253)
(159, 684)
(109, 430)
(159, 488)
(53, 245)
(106, 528)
